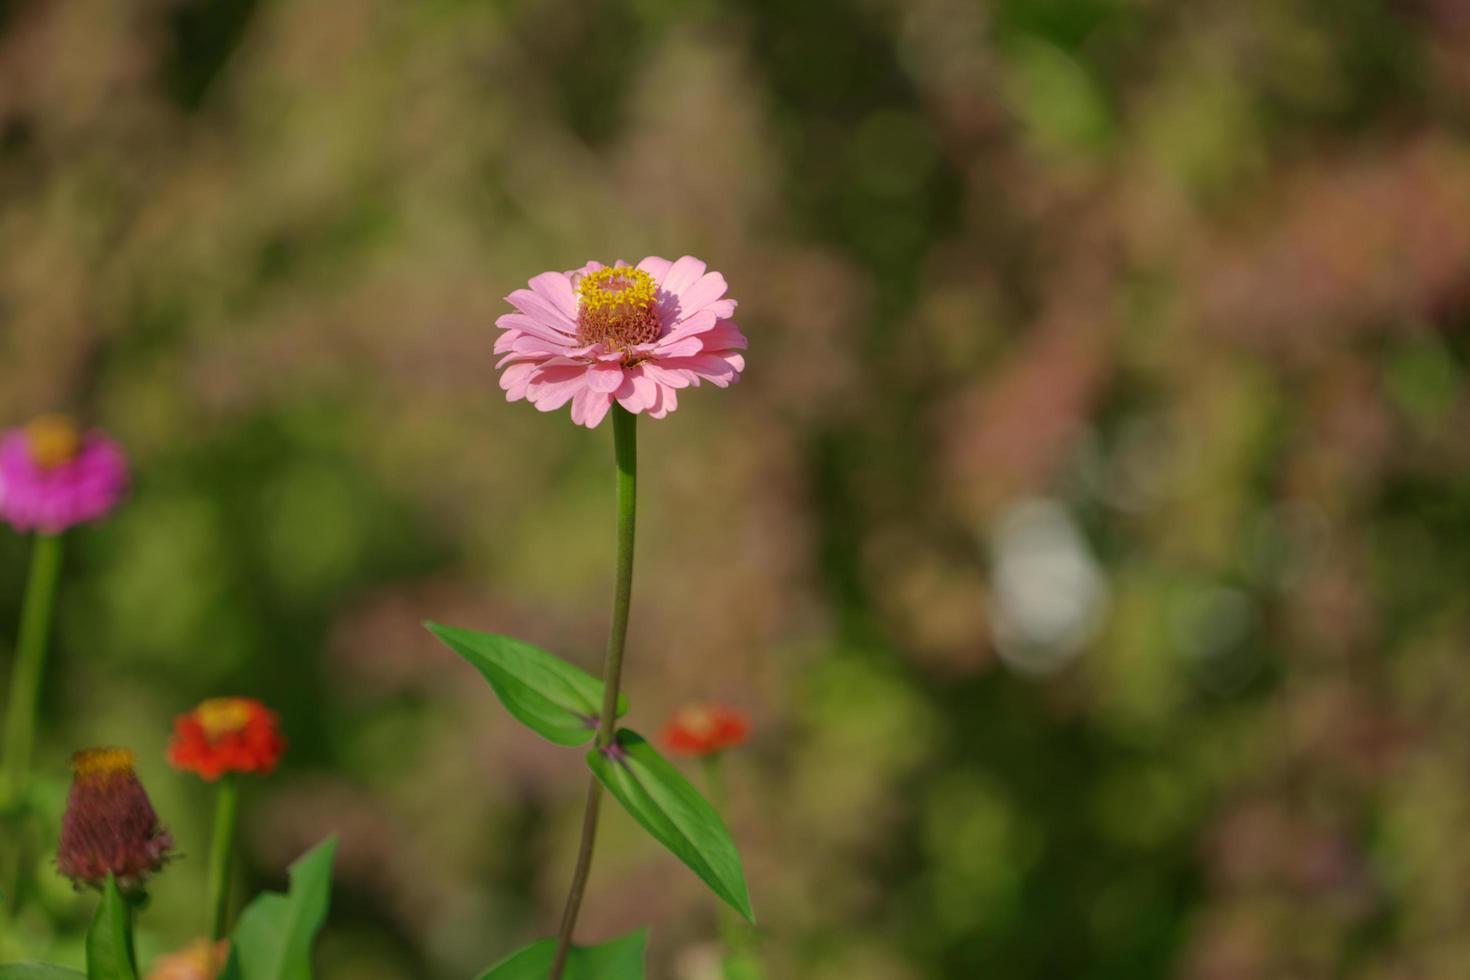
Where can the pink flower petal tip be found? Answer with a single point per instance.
(630, 335)
(53, 476)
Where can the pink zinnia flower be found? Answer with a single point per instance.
(634, 335)
(52, 476)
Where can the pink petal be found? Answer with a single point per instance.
(683, 274)
(688, 327)
(590, 407)
(687, 347)
(605, 377)
(668, 401)
(724, 309)
(540, 310)
(556, 288)
(514, 380)
(656, 267)
(538, 345)
(639, 391)
(552, 386)
(706, 290)
(710, 367)
(666, 377)
(726, 336)
(516, 358)
(551, 398)
(521, 323)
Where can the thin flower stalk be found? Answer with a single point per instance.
(625, 452)
(29, 667)
(221, 854)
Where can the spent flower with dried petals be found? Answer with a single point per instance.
(631, 335)
(54, 476)
(110, 827)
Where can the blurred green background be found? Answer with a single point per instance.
(1088, 540)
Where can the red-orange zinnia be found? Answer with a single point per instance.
(224, 735)
(704, 729)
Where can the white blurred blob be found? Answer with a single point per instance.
(1049, 596)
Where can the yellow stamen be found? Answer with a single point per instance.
(222, 716)
(54, 440)
(697, 720)
(106, 761)
(616, 309)
(613, 287)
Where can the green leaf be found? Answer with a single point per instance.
(273, 939)
(672, 810)
(620, 959)
(37, 971)
(559, 702)
(743, 966)
(110, 937)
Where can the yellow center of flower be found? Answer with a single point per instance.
(616, 309)
(223, 716)
(697, 720)
(103, 762)
(53, 440)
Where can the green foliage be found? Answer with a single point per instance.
(557, 701)
(273, 939)
(37, 971)
(743, 966)
(618, 959)
(673, 811)
(110, 938)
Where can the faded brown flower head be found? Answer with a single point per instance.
(110, 826)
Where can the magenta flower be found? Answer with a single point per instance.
(630, 334)
(53, 477)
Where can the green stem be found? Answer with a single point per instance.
(625, 452)
(20, 717)
(714, 781)
(221, 854)
(30, 664)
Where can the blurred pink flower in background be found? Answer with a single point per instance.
(630, 334)
(53, 476)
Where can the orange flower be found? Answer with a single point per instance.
(200, 960)
(225, 735)
(704, 729)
